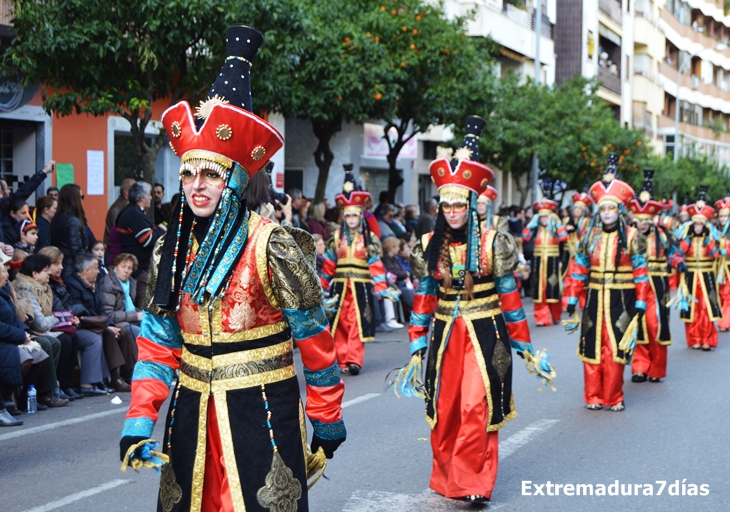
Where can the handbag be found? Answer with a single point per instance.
(65, 322)
(94, 323)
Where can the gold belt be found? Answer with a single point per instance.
(700, 265)
(233, 337)
(482, 287)
(237, 370)
(488, 306)
(617, 281)
(548, 251)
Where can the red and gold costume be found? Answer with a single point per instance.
(468, 377)
(546, 276)
(662, 253)
(225, 304)
(723, 264)
(700, 252)
(576, 228)
(352, 261)
(611, 263)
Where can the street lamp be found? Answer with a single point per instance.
(718, 47)
(538, 30)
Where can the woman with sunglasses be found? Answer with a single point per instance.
(466, 285)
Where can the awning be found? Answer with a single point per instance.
(609, 34)
(512, 55)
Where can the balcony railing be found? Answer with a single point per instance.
(609, 80)
(611, 8)
(526, 20)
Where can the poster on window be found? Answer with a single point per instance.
(95, 173)
(375, 146)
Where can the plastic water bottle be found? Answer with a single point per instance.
(32, 400)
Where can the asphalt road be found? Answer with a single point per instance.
(677, 430)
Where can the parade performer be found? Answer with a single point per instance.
(228, 291)
(485, 208)
(700, 252)
(662, 253)
(576, 227)
(547, 230)
(611, 263)
(723, 263)
(352, 261)
(671, 225)
(465, 282)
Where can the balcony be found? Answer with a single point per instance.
(693, 82)
(687, 32)
(527, 20)
(698, 132)
(612, 9)
(609, 80)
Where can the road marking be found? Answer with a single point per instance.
(521, 438)
(78, 496)
(359, 399)
(50, 426)
(378, 501)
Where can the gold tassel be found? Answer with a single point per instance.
(574, 322)
(629, 334)
(316, 464)
(408, 379)
(533, 363)
(137, 463)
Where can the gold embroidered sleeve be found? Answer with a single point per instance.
(305, 241)
(638, 243)
(419, 265)
(503, 225)
(293, 279)
(376, 247)
(152, 280)
(506, 257)
(332, 242)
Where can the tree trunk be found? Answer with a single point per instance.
(395, 179)
(324, 131)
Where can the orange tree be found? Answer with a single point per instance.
(435, 74)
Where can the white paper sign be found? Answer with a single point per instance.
(95, 173)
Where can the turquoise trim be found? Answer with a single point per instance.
(640, 304)
(163, 330)
(138, 427)
(373, 259)
(377, 279)
(420, 320)
(641, 279)
(583, 260)
(505, 284)
(329, 431)
(579, 277)
(514, 316)
(427, 286)
(418, 344)
(638, 260)
(150, 370)
(520, 346)
(305, 324)
(572, 301)
(330, 255)
(323, 378)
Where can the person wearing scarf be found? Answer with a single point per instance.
(611, 263)
(352, 262)
(466, 286)
(700, 252)
(662, 253)
(228, 292)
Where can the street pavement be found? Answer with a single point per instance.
(674, 432)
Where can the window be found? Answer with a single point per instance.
(669, 146)
(6, 154)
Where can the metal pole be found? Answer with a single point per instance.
(676, 109)
(538, 30)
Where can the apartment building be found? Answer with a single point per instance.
(595, 38)
(696, 39)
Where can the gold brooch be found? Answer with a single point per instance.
(258, 152)
(467, 175)
(484, 183)
(442, 172)
(223, 132)
(358, 199)
(176, 129)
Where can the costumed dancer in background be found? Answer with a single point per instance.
(700, 252)
(611, 263)
(670, 223)
(352, 261)
(684, 215)
(662, 253)
(576, 227)
(466, 284)
(547, 230)
(723, 263)
(228, 290)
(485, 208)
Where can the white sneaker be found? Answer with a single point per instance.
(393, 324)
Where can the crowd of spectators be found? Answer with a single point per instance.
(71, 304)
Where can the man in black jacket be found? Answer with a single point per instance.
(137, 234)
(119, 348)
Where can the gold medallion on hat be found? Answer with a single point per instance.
(258, 152)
